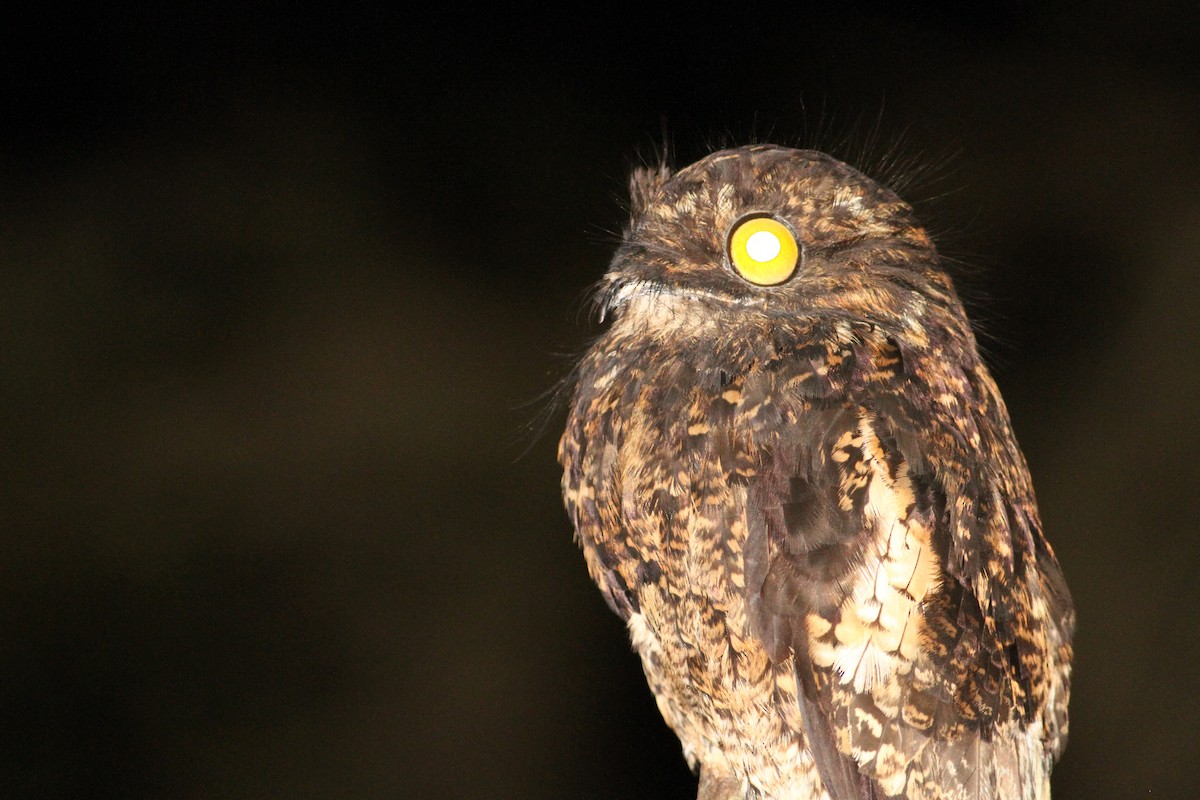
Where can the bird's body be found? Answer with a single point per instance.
(803, 495)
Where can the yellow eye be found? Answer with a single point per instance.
(763, 251)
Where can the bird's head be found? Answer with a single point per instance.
(766, 233)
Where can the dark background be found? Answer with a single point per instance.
(281, 292)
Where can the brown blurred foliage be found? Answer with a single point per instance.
(280, 513)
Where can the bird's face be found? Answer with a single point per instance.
(766, 232)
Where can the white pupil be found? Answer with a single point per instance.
(763, 246)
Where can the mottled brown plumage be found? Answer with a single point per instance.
(807, 502)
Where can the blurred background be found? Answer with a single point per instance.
(284, 292)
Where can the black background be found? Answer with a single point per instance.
(281, 291)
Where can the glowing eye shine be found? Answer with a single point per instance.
(763, 251)
(763, 246)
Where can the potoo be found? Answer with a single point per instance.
(796, 481)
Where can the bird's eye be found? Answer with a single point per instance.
(763, 250)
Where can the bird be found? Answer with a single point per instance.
(793, 477)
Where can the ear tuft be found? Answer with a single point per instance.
(644, 185)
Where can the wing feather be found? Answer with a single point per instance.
(897, 555)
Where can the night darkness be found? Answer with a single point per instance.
(283, 293)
